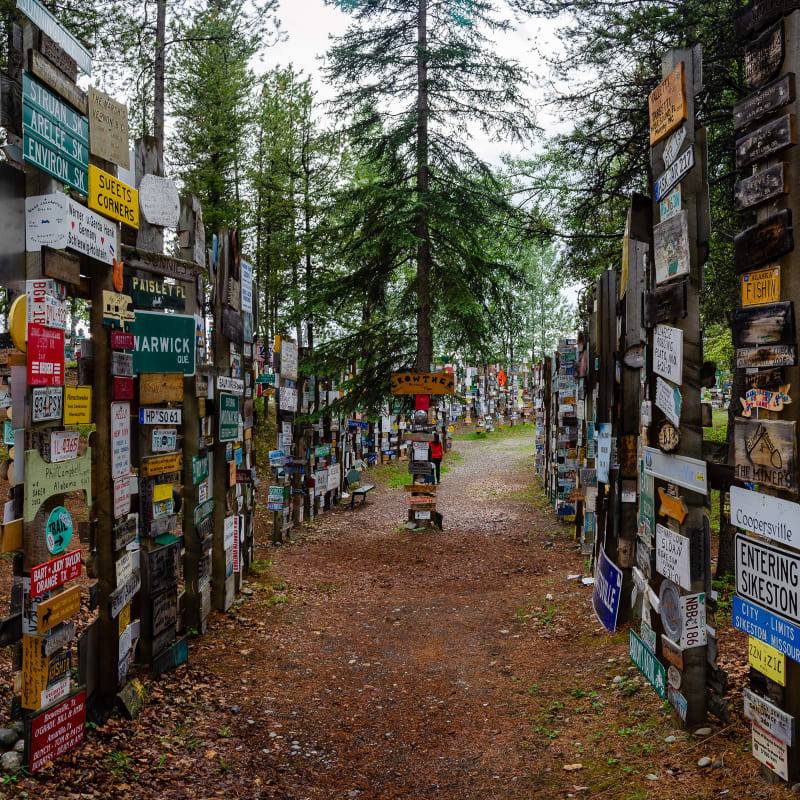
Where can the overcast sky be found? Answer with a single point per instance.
(309, 24)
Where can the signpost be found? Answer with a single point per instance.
(48, 24)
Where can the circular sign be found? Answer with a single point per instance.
(669, 437)
(670, 601)
(18, 323)
(59, 530)
(674, 677)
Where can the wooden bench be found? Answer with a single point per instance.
(354, 486)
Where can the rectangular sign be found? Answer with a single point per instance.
(108, 128)
(687, 472)
(770, 517)
(122, 495)
(47, 403)
(43, 480)
(163, 342)
(693, 620)
(762, 286)
(153, 293)
(772, 356)
(768, 576)
(766, 141)
(668, 353)
(675, 172)
(764, 55)
(767, 660)
(41, 68)
(232, 385)
(648, 664)
(120, 439)
(45, 356)
(48, 24)
(763, 242)
(673, 558)
(764, 453)
(669, 400)
(767, 627)
(228, 418)
(164, 440)
(606, 591)
(764, 325)
(112, 197)
(56, 730)
(667, 104)
(770, 751)
(765, 101)
(160, 387)
(768, 716)
(671, 247)
(670, 205)
(57, 609)
(77, 405)
(63, 446)
(768, 184)
(159, 416)
(54, 573)
(150, 466)
(422, 383)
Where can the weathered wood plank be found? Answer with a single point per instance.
(764, 241)
(757, 326)
(765, 101)
(771, 379)
(759, 357)
(766, 141)
(160, 387)
(763, 58)
(666, 303)
(765, 185)
(764, 453)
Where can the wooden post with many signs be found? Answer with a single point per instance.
(765, 435)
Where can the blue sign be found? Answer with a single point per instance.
(607, 591)
(767, 627)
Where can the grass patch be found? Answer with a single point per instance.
(505, 433)
(718, 432)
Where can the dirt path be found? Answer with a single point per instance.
(372, 662)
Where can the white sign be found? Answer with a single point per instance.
(669, 400)
(770, 517)
(44, 20)
(603, 451)
(288, 398)
(232, 385)
(288, 360)
(675, 172)
(124, 567)
(687, 472)
(768, 716)
(47, 403)
(120, 439)
(247, 286)
(770, 751)
(420, 451)
(334, 476)
(43, 306)
(125, 642)
(56, 692)
(159, 202)
(122, 496)
(422, 515)
(159, 416)
(768, 576)
(668, 353)
(63, 446)
(165, 440)
(59, 222)
(693, 620)
(229, 532)
(672, 556)
(673, 145)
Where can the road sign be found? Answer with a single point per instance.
(228, 418)
(767, 575)
(45, 356)
(163, 342)
(112, 197)
(606, 591)
(54, 573)
(648, 664)
(767, 627)
(58, 532)
(771, 517)
(55, 138)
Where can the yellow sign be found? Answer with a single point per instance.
(160, 387)
(77, 405)
(667, 104)
(11, 536)
(112, 197)
(422, 383)
(761, 286)
(57, 609)
(161, 492)
(160, 465)
(124, 618)
(767, 660)
(34, 671)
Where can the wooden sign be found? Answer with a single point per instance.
(125, 532)
(117, 311)
(774, 356)
(62, 85)
(667, 104)
(763, 398)
(761, 287)
(674, 173)
(122, 595)
(672, 507)
(668, 437)
(763, 58)
(764, 453)
(112, 197)
(121, 364)
(765, 101)
(121, 388)
(757, 326)
(56, 55)
(57, 609)
(765, 241)
(160, 387)
(162, 568)
(55, 731)
(666, 303)
(671, 247)
(108, 129)
(61, 266)
(232, 326)
(671, 651)
(159, 201)
(159, 264)
(151, 466)
(49, 25)
(422, 383)
(164, 611)
(768, 184)
(43, 480)
(153, 293)
(767, 140)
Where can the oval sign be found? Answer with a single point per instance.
(670, 602)
(634, 357)
(59, 530)
(674, 677)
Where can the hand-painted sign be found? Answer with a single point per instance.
(681, 470)
(648, 664)
(607, 591)
(765, 101)
(668, 353)
(120, 439)
(771, 356)
(54, 573)
(160, 387)
(163, 343)
(768, 576)
(43, 480)
(108, 129)
(764, 56)
(767, 660)
(57, 609)
(763, 242)
(770, 751)
(160, 416)
(769, 184)
(768, 716)
(112, 197)
(673, 558)
(764, 452)
(672, 507)
(158, 199)
(122, 495)
(763, 398)
(56, 730)
(770, 517)
(55, 138)
(153, 293)
(47, 403)
(45, 356)
(766, 141)
(117, 311)
(764, 325)
(667, 104)
(422, 383)
(121, 364)
(41, 68)
(761, 287)
(669, 400)
(671, 247)
(675, 173)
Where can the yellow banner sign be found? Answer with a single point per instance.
(34, 671)
(767, 660)
(159, 465)
(762, 286)
(57, 609)
(422, 383)
(77, 405)
(112, 197)
(667, 104)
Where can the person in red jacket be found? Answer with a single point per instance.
(436, 452)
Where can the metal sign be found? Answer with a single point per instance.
(693, 621)
(690, 473)
(771, 517)
(648, 664)
(77, 405)
(164, 440)
(607, 591)
(668, 353)
(122, 495)
(120, 439)
(761, 287)
(671, 247)
(768, 716)
(45, 356)
(63, 446)
(112, 197)
(47, 23)
(55, 138)
(43, 480)
(154, 293)
(767, 660)
(673, 147)
(58, 530)
(199, 469)
(47, 403)
(675, 172)
(669, 400)
(768, 576)
(770, 751)
(108, 129)
(767, 627)
(56, 730)
(54, 573)
(163, 343)
(159, 416)
(673, 559)
(159, 201)
(232, 385)
(57, 609)
(228, 418)
(151, 466)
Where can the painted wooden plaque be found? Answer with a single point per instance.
(57, 609)
(667, 104)
(666, 303)
(154, 293)
(159, 264)
(43, 480)
(764, 241)
(766, 141)
(766, 399)
(162, 568)
(759, 13)
(765, 101)
(762, 286)
(772, 356)
(158, 465)
(764, 452)
(108, 130)
(55, 79)
(232, 326)
(121, 388)
(117, 311)
(160, 387)
(422, 383)
(122, 595)
(763, 58)
(165, 611)
(768, 184)
(671, 247)
(764, 325)
(57, 56)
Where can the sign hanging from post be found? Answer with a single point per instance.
(422, 383)
(667, 104)
(112, 197)
(163, 343)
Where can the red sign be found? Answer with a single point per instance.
(501, 378)
(121, 340)
(53, 573)
(122, 388)
(45, 356)
(244, 476)
(57, 730)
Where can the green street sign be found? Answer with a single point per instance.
(163, 342)
(266, 377)
(322, 450)
(55, 138)
(199, 469)
(648, 664)
(228, 417)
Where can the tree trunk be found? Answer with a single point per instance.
(159, 69)
(424, 332)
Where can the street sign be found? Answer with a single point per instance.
(55, 138)
(648, 664)
(45, 356)
(767, 575)
(163, 343)
(112, 197)
(771, 517)
(607, 591)
(154, 293)
(228, 418)
(767, 627)
(54, 573)
(58, 531)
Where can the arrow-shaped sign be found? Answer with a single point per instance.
(672, 507)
